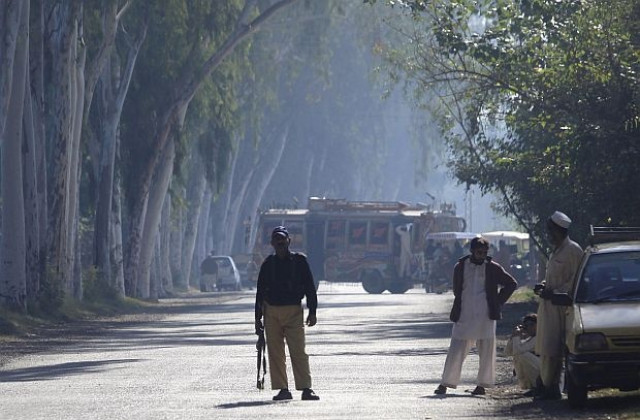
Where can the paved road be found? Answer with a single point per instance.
(372, 357)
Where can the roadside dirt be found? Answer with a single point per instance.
(602, 404)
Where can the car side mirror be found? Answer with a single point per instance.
(561, 299)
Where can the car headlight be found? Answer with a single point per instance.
(591, 342)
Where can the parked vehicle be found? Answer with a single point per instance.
(442, 252)
(603, 324)
(228, 274)
(518, 244)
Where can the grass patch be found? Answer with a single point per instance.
(523, 294)
(522, 302)
(21, 324)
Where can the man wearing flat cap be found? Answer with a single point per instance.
(561, 269)
(284, 279)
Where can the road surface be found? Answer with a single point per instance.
(372, 357)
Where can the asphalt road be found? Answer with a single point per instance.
(372, 357)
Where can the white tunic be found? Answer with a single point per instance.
(474, 322)
(561, 269)
(525, 362)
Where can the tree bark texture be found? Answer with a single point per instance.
(9, 22)
(61, 35)
(116, 253)
(202, 249)
(195, 193)
(114, 85)
(165, 248)
(13, 286)
(159, 188)
(79, 55)
(177, 216)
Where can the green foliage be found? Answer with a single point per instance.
(539, 100)
(183, 34)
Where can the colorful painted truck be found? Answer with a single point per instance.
(380, 244)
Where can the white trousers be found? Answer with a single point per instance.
(458, 350)
(527, 367)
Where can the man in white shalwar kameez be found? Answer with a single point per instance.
(561, 269)
(476, 307)
(404, 231)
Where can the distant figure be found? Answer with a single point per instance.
(284, 279)
(438, 252)
(429, 249)
(405, 250)
(480, 288)
(208, 273)
(521, 346)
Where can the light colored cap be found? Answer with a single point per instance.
(561, 219)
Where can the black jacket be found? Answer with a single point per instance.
(285, 281)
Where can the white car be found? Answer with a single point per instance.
(228, 274)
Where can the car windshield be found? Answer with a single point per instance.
(610, 277)
(223, 263)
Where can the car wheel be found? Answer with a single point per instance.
(399, 287)
(576, 393)
(373, 283)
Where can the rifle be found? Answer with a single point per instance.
(261, 346)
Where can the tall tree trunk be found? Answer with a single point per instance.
(62, 20)
(79, 55)
(176, 242)
(116, 255)
(36, 70)
(231, 200)
(13, 286)
(112, 94)
(158, 192)
(201, 250)
(139, 209)
(31, 204)
(155, 272)
(204, 242)
(9, 22)
(195, 193)
(165, 246)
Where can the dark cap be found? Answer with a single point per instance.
(280, 230)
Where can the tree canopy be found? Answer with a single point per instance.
(539, 100)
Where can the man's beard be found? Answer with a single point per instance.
(476, 262)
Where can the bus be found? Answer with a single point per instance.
(360, 241)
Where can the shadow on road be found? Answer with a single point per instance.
(41, 373)
(242, 404)
(597, 407)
